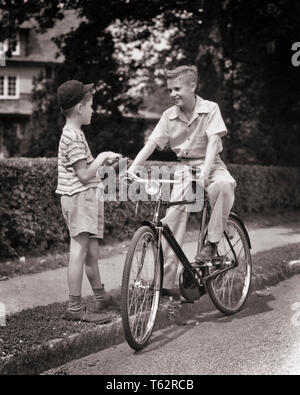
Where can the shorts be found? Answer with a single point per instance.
(84, 212)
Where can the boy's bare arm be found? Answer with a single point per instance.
(86, 173)
(211, 152)
(143, 155)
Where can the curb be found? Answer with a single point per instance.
(57, 352)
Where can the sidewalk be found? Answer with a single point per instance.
(48, 287)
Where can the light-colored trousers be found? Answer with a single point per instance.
(220, 192)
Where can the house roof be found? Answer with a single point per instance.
(41, 47)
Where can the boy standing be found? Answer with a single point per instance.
(82, 210)
(193, 127)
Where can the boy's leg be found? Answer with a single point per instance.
(177, 221)
(78, 256)
(78, 251)
(93, 274)
(221, 198)
(91, 263)
(176, 218)
(79, 213)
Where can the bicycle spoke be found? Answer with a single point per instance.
(137, 321)
(232, 247)
(138, 316)
(142, 285)
(230, 289)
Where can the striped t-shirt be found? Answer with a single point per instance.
(73, 147)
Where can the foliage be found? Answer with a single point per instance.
(242, 50)
(29, 211)
(119, 134)
(31, 219)
(91, 52)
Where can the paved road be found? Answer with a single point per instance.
(51, 286)
(262, 339)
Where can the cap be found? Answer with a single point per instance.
(71, 93)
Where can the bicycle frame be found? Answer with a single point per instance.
(141, 293)
(165, 231)
(162, 229)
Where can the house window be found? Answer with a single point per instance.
(9, 87)
(13, 45)
(12, 86)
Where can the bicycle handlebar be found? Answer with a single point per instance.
(133, 177)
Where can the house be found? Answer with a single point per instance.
(32, 53)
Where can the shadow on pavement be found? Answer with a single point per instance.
(164, 338)
(255, 305)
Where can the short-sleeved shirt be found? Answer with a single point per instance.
(189, 138)
(72, 148)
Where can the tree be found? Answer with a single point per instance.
(264, 88)
(89, 53)
(89, 50)
(242, 49)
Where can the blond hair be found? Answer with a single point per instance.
(190, 72)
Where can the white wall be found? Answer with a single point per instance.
(25, 73)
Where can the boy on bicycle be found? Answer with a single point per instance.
(82, 210)
(193, 128)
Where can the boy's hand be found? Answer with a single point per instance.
(108, 155)
(112, 155)
(131, 168)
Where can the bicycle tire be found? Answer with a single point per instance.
(135, 286)
(211, 285)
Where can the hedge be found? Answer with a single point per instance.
(30, 212)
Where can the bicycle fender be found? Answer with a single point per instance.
(151, 225)
(239, 220)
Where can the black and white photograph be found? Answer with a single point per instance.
(149, 190)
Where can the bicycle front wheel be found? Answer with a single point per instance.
(229, 290)
(141, 286)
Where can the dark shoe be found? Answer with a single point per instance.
(87, 316)
(208, 252)
(101, 303)
(174, 292)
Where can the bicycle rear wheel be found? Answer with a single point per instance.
(141, 284)
(229, 290)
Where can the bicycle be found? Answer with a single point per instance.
(226, 278)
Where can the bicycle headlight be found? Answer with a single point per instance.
(152, 187)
